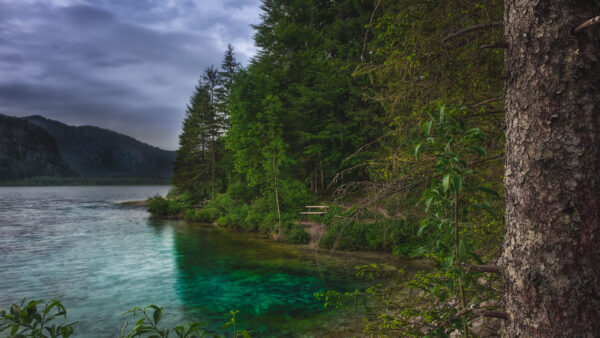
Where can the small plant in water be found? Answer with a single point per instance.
(231, 323)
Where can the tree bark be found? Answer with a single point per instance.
(551, 255)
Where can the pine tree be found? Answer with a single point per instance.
(213, 120)
(551, 255)
(229, 67)
(191, 166)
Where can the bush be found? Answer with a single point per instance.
(384, 235)
(158, 206)
(298, 235)
(206, 215)
(161, 207)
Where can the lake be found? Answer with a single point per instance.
(100, 258)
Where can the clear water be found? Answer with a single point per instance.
(78, 244)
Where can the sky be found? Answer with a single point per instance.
(126, 65)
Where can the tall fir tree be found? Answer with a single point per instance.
(191, 166)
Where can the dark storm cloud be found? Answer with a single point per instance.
(126, 65)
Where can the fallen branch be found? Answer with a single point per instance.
(472, 29)
(587, 24)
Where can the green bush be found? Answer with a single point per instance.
(206, 215)
(161, 207)
(158, 206)
(298, 235)
(384, 235)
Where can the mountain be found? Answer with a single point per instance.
(27, 150)
(84, 151)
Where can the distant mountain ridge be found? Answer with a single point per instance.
(36, 146)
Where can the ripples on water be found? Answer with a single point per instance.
(100, 258)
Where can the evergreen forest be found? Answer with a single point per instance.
(461, 136)
(391, 114)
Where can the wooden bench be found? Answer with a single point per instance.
(322, 209)
(201, 205)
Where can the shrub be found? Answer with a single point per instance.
(207, 215)
(298, 235)
(161, 207)
(158, 206)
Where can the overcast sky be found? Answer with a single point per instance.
(126, 65)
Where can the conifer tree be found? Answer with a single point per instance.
(191, 166)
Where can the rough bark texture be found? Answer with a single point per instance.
(551, 254)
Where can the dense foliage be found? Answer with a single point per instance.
(387, 110)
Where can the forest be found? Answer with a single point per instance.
(401, 117)
(463, 135)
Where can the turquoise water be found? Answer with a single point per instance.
(100, 258)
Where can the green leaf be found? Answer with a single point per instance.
(448, 261)
(140, 322)
(487, 191)
(457, 183)
(428, 203)
(417, 149)
(476, 258)
(473, 132)
(421, 228)
(446, 182)
(14, 310)
(428, 128)
(462, 249)
(157, 315)
(479, 150)
(450, 284)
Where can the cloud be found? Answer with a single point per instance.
(126, 65)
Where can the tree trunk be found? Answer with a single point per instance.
(212, 171)
(551, 253)
(275, 170)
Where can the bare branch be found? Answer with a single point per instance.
(501, 155)
(475, 28)
(478, 309)
(367, 145)
(492, 112)
(369, 27)
(493, 314)
(488, 101)
(482, 268)
(587, 24)
(341, 174)
(496, 44)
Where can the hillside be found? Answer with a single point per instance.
(55, 149)
(27, 150)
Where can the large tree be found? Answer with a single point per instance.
(551, 254)
(191, 166)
